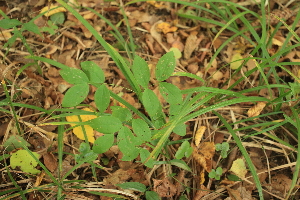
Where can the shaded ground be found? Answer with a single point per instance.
(156, 27)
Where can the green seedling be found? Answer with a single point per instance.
(223, 147)
(216, 174)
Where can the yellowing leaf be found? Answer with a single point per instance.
(199, 134)
(256, 110)
(25, 161)
(54, 11)
(239, 168)
(88, 129)
(236, 64)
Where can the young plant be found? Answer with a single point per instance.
(216, 174)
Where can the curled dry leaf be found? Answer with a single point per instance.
(256, 109)
(199, 134)
(165, 28)
(190, 45)
(56, 9)
(164, 187)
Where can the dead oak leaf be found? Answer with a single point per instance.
(164, 188)
(204, 154)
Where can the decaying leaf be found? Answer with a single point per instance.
(164, 187)
(203, 155)
(281, 183)
(56, 9)
(256, 110)
(199, 134)
(88, 129)
(239, 168)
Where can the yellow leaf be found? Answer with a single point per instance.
(199, 134)
(54, 11)
(239, 168)
(88, 129)
(236, 64)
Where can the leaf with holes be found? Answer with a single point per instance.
(103, 143)
(93, 71)
(151, 102)
(106, 124)
(170, 92)
(102, 98)
(126, 143)
(165, 66)
(73, 76)
(25, 161)
(141, 71)
(75, 95)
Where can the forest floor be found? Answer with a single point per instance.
(156, 27)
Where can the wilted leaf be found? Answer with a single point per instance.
(199, 134)
(88, 129)
(25, 161)
(256, 109)
(56, 9)
(234, 64)
(239, 168)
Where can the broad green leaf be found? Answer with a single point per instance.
(175, 109)
(106, 124)
(136, 186)
(126, 144)
(123, 114)
(102, 98)
(32, 27)
(144, 153)
(14, 142)
(180, 129)
(75, 95)
(141, 71)
(58, 18)
(141, 130)
(103, 143)
(151, 195)
(25, 161)
(170, 92)
(184, 150)
(9, 23)
(165, 66)
(151, 102)
(93, 71)
(86, 154)
(73, 76)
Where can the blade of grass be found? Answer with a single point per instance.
(245, 154)
(297, 167)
